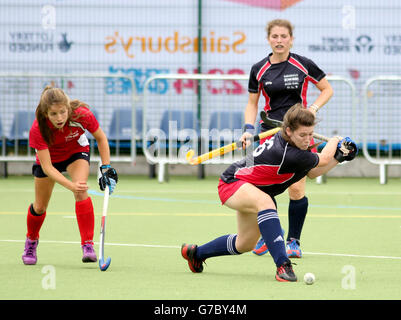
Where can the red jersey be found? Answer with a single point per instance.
(71, 139)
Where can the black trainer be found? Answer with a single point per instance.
(188, 252)
(285, 273)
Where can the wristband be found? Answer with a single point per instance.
(249, 128)
(105, 166)
(314, 107)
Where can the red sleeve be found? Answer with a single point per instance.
(36, 140)
(87, 119)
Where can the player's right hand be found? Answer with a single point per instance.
(246, 137)
(246, 140)
(79, 186)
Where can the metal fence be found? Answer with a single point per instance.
(381, 122)
(108, 96)
(178, 112)
(338, 116)
(206, 111)
(180, 119)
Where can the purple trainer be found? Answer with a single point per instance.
(29, 256)
(89, 253)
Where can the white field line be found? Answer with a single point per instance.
(174, 192)
(67, 215)
(177, 247)
(350, 255)
(96, 243)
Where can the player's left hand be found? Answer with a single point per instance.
(347, 150)
(313, 108)
(350, 145)
(109, 178)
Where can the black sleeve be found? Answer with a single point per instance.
(314, 71)
(253, 85)
(299, 160)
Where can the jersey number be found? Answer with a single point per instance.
(266, 145)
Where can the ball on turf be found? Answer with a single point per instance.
(309, 278)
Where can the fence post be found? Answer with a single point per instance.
(378, 124)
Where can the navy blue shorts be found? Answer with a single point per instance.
(37, 170)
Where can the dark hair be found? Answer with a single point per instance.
(297, 116)
(49, 97)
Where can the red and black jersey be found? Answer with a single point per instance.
(71, 139)
(273, 166)
(283, 84)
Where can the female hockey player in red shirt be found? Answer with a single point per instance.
(58, 137)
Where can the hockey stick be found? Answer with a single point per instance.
(225, 149)
(278, 123)
(103, 265)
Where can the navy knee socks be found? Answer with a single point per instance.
(224, 245)
(297, 211)
(270, 229)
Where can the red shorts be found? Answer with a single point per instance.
(226, 190)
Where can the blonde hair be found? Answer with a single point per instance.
(279, 23)
(49, 97)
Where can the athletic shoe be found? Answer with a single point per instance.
(285, 273)
(260, 248)
(29, 256)
(89, 254)
(293, 249)
(188, 252)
